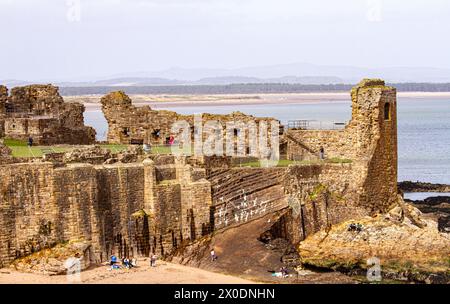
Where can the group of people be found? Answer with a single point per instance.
(128, 264)
(355, 227)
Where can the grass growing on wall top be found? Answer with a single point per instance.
(20, 148)
(286, 163)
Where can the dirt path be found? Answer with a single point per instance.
(165, 273)
(240, 253)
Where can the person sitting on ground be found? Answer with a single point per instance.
(113, 260)
(126, 263)
(351, 227)
(359, 227)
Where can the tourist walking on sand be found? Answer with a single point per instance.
(153, 260)
(213, 255)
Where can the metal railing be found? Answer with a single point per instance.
(315, 125)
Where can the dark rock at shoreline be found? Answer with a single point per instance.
(439, 206)
(408, 186)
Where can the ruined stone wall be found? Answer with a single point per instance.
(306, 144)
(27, 210)
(40, 112)
(370, 139)
(322, 195)
(243, 194)
(130, 124)
(119, 209)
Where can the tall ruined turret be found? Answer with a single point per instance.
(374, 113)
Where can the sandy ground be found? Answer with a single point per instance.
(164, 273)
(92, 102)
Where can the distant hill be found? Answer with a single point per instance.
(294, 74)
(347, 74)
(245, 89)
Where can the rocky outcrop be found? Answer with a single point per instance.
(57, 260)
(92, 155)
(408, 186)
(409, 246)
(439, 208)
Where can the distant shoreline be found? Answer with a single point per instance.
(92, 102)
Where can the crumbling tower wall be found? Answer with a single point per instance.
(369, 141)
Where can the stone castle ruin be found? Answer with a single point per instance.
(39, 112)
(128, 124)
(164, 202)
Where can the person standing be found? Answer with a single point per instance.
(30, 141)
(322, 153)
(153, 260)
(213, 255)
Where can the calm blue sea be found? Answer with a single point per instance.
(423, 129)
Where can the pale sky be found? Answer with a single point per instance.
(72, 40)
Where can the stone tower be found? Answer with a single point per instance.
(374, 130)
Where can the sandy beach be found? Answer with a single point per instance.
(92, 102)
(164, 273)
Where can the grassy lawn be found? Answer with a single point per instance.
(20, 148)
(285, 162)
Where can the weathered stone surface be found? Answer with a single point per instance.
(5, 154)
(92, 155)
(38, 111)
(55, 260)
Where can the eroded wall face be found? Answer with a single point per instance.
(40, 112)
(240, 195)
(119, 209)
